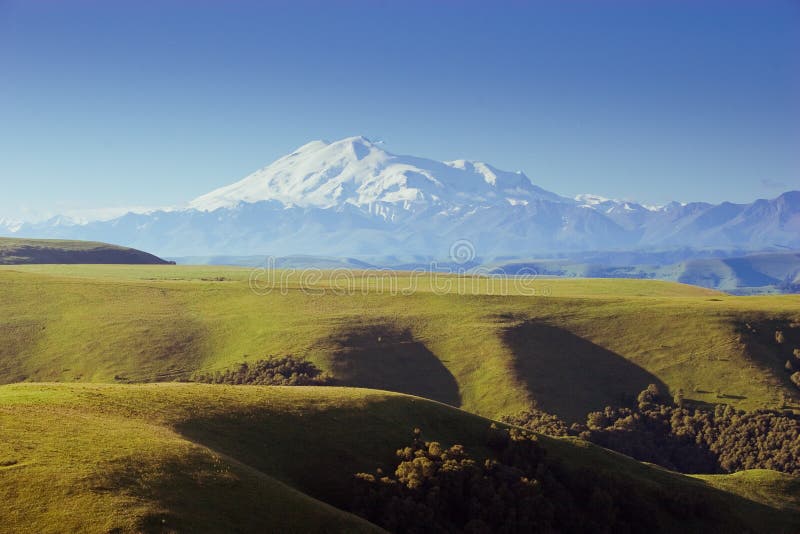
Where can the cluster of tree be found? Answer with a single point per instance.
(683, 438)
(439, 489)
(283, 371)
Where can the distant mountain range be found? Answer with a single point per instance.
(777, 272)
(352, 198)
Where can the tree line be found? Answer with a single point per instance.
(684, 438)
(275, 371)
(436, 489)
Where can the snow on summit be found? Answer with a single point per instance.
(358, 172)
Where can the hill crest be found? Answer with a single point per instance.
(15, 251)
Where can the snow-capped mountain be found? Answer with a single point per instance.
(9, 225)
(353, 198)
(356, 172)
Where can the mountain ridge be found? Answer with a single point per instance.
(352, 198)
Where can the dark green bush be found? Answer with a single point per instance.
(519, 489)
(686, 439)
(283, 371)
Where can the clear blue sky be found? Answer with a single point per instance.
(153, 103)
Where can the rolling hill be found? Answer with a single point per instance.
(200, 458)
(88, 445)
(480, 344)
(15, 251)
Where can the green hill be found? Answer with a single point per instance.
(585, 345)
(15, 251)
(85, 447)
(202, 458)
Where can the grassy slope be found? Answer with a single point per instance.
(15, 251)
(199, 458)
(72, 461)
(777, 490)
(575, 350)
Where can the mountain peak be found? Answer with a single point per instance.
(341, 144)
(358, 146)
(354, 140)
(355, 171)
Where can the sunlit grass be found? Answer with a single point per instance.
(121, 323)
(195, 457)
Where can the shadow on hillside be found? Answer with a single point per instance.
(318, 447)
(385, 357)
(196, 490)
(771, 345)
(570, 376)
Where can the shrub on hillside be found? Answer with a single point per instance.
(779, 337)
(795, 378)
(539, 421)
(649, 397)
(284, 371)
(687, 439)
(518, 489)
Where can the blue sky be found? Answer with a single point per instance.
(153, 103)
